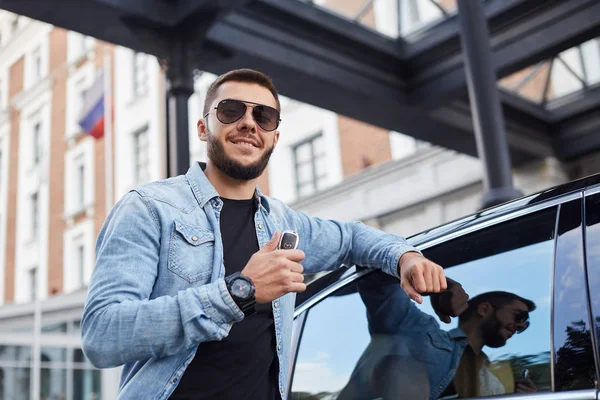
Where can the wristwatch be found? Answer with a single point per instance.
(242, 290)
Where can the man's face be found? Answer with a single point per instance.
(502, 323)
(240, 150)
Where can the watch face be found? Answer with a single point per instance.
(240, 288)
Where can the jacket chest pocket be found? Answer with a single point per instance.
(191, 252)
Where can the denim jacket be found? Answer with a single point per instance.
(426, 355)
(157, 289)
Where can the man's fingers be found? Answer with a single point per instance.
(435, 281)
(418, 280)
(273, 243)
(442, 278)
(462, 309)
(292, 255)
(410, 291)
(296, 277)
(296, 267)
(297, 287)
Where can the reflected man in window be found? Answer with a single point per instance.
(411, 357)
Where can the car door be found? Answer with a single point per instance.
(338, 330)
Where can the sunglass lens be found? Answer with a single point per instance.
(522, 318)
(266, 117)
(229, 111)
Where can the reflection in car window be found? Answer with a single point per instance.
(370, 341)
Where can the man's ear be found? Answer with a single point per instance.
(202, 131)
(484, 309)
(275, 139)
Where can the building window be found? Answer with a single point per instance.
(33, 283)
(15, 25)
(140, 148)
(140, 74)
(80, 182)
(309, 165)
(80, 88)
(80, 45)
(35, 211)
(79, 258)
(36, 64)
(37, 144)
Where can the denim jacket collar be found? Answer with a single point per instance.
(205, 191)
(457, 333)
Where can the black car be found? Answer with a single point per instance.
(355, 337)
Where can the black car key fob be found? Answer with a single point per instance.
(288, 240)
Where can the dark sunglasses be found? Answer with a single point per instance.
(230, 111)
(521, 317)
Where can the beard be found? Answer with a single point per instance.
(230, 166)
(490, 332)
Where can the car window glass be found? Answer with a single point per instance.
(368, 341)
(592, 206)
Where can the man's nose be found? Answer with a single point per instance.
(247, 121)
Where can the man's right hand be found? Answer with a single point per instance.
(275, 272)
(451, 302)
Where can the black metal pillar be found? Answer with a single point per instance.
(486, 111)
(181, 86)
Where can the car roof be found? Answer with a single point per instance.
(505, 208)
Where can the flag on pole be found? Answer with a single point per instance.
(93, 112)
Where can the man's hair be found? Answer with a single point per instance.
(496, 299)
(244, 75)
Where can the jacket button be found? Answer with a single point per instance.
(174, 380)
(276, 305)
(194, 238)
(259, 226)
(278, 347)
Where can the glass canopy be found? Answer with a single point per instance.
(569, 73)
(407, 17)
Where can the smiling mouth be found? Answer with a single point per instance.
(244, 143)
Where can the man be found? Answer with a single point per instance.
(411, 357)
(190, 292)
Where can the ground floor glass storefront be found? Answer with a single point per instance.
(64, 371)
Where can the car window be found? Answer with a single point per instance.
(592, 233)
(369, 341)
(574, 368)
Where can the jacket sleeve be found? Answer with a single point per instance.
(330, 243)
(389, 309)
(121, 323)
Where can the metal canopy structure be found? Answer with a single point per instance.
(413, 82)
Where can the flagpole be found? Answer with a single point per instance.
(108, 131)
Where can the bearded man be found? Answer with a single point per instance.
(190, 292)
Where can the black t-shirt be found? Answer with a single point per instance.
(244, 364)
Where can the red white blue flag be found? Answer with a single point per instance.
(93, 112)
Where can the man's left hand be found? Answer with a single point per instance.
(420, 275)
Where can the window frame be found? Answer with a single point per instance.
(320, 293)
(139, 75)
(592, 270)
(312, 161)
(139, 162)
